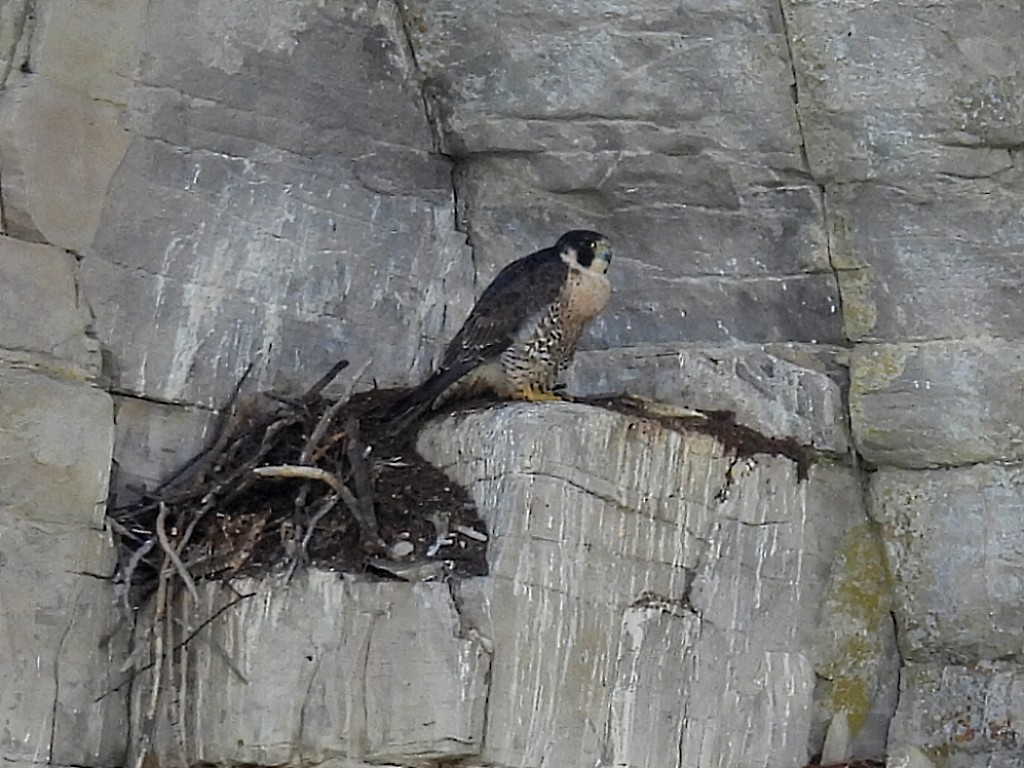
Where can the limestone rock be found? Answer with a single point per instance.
(44, 320)
(767, 393)
(962, 716)
(292, 305)
(13, 17)
(932, 261)
(56, 608)
(280, 204)
(644, 716)
(58, 438)
(904, 756)
(427, 683)
(719, 236)
(723, 219)
(621, 551)
(325, 667)
(954, 539)
(890, 91)
(557, 77)
(938, 403)
(153, 440)
(802, 308)
(58, 617)
(61, 126)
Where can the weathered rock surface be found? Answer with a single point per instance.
(962, 716)
(938, 403)
(911, 119)
(956, 603)
(280, 204)
(44, 320)
(909, 89)
(934, 261)
(612, 61)
(68, 74)
(857, 661)
(56, 610)
(60, 428)
(644, 560)
(324, 667)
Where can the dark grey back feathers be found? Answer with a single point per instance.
(519, 292)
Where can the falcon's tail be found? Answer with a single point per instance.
(411, 408)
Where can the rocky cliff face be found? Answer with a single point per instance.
(816, 208)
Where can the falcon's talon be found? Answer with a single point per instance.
(523, 330)
(537, 396)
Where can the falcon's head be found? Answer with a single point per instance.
(589, 250)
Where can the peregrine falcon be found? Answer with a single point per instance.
(522, 332)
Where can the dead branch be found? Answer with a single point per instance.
(172, 554)
(296, 471)
(176, 667)
(196, 464)
(148, 719)
(362, 507)
(207, 622)
(216, 648)
(326, 506)
(321, 428)
(314, 392)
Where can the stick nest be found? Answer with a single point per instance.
(288, 483)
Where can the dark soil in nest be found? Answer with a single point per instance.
(300, 482)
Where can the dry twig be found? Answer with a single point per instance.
(172, 553)
(296, 471)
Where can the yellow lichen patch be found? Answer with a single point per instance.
(876, 368)
(857, 616)
(851, 695)
(865, 588)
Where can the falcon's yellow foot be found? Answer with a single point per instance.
(536, 395)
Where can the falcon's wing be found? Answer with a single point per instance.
(519, 292)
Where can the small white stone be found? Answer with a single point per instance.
(401, 549)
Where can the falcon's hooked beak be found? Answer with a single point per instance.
(602, 256)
